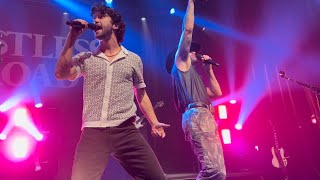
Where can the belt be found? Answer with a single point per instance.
(198, 104)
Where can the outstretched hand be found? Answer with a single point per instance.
(157, 129)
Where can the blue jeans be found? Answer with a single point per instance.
(201, 130)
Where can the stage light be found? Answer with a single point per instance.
(222, 109)
(238, 126)
(11, 102)
(74, 7)
(38, 105)
(3, 137)
(143, 19)
(20, 117)
(313, 119)
(38, 137)
(18, 147)
(226, 137)
(109, 3)
(172, 11)
(65, 13)
(233, 101)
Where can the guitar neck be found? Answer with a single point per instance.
(275, 136)
(143, 116)
(276, 143)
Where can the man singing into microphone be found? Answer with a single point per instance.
(191, 98)
(112, 74)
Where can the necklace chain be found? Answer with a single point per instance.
(114, 54)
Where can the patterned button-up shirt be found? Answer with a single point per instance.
(108, 92)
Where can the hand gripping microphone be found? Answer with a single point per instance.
(210, 61)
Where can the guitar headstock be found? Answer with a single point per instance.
(138, 123)
(160, 103)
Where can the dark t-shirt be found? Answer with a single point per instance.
(188, 88)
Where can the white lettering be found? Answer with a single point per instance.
(3, 48)
(38, 47)
(80, 48)
(18, 41)
(59, 45)
(6, 72)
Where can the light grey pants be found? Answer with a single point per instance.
(201, 130)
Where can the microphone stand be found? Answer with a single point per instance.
(1, 45)
(316, 92)
(313, 89)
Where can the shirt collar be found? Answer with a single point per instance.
(123, 53)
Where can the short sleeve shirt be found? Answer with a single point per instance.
(108, 87)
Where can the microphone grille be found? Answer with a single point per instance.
(198, 56)
(92, 26)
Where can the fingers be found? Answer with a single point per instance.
(159, 124)
(79, 28)
(205, 57)
(81, 21)
(158, 133)
(165, 125)
(161, 134)
(157, 129)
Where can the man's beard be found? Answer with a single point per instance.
(105, 35)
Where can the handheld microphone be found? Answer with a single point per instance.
(209, 61)
(77, 24)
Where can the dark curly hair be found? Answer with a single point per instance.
(116, 19)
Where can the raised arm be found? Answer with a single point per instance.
(64, 69)
(182, 59)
